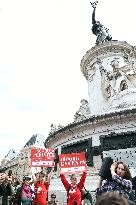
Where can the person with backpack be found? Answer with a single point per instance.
(74, 195)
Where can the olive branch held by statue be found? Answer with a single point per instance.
(94, 4)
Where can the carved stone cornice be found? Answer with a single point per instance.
(68, 132)
(106, 49)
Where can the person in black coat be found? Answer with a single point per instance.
(86, 197)
(134, 188)
(5, 187)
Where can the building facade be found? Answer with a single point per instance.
(20, 163)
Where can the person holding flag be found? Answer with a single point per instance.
(42, 158)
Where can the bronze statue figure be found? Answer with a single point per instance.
(98, 29)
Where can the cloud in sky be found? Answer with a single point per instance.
(41, 46)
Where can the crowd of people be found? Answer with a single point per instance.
(33, 190)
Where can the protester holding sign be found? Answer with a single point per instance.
(42, 158)
(41, 189)
(71, 163)
(73, 189)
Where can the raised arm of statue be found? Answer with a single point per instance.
(96, 27)
(94, 4)
(93, 17)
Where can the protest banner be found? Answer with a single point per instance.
(42, 157)
(71, 163)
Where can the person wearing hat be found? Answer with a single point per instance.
(53, 200)
(26, 191)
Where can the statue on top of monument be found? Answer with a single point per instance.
(98, 29)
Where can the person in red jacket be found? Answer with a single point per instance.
(41, 189)
(73, 189)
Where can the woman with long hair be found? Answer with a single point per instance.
(120, 181)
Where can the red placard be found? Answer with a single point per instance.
(71, 163)
(42, 157)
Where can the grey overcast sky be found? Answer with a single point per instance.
(41, 45)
